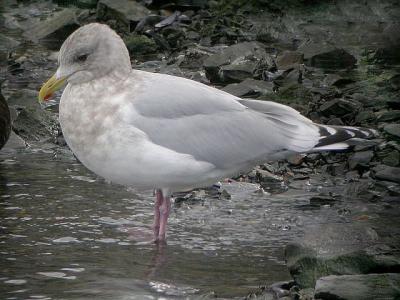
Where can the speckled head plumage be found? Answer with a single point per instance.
(91, 52)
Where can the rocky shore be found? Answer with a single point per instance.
(338, 62)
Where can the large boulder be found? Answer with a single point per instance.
(358, 287)
(5, 121)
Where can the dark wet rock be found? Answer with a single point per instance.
(335, 121)
(295, 95)
(148, 22)
(7, 45)
(306, 267)
(391, 158)
(359, 287)
(235, 63)
(388, 173)
(174, 35)
(336, 80)
(323, 200)
(128, 13)
(250, 88)
(360, 159)
(140, 44)
(392, 129)
(86, 3)
(5, 121)
(289, 59)
(388, 116)
(177, 4)
(338, 107)
(54, 29)
(36, 125)
(364, 116)
(326, 56)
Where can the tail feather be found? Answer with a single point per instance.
(341, 137)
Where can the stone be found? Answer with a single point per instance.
(388, 116)
(128, 13)
(236, 60)
(306, 267)
(249, 88)
(338, 107)
(289, 59)
(140, 44)
(54, 30)
(392, 158)
(392, 129)
(360, 159)
(336, 80)
(5, 121)
(7, 45)
(86, 3)
(326, 56)
(358, 287)
(388, 173)
(365, 116)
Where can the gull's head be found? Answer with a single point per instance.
(91, 52)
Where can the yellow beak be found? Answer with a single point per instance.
(50, 87)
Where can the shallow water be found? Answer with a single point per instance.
(66, 234)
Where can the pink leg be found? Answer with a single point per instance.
(164, 213)
(157, 206)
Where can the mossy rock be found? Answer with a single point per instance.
(140, 44)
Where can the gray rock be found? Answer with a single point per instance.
(326, 56)
(7, 45)
(392, 158)
(306, 267)
(53, 30)
(289, 59)
(338, 107)
(234, 62)
(359, 287)
(250, 88)
(360, 159)
(86, 3)
(128, 13)
(36, 125)
(364, 116)
(5, 121)
(392, 129)
(388, 173)
(387, 116)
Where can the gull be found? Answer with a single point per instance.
(167, 133)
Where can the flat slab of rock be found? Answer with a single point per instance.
(250, 88)
(306, 266)
(393, 129)
(63, 22)
(235, 62)
(326, 56)
(127, 12)
(359, 287)
(388, 173)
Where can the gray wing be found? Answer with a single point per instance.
(213, 126)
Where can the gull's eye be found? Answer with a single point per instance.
(82, 57)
